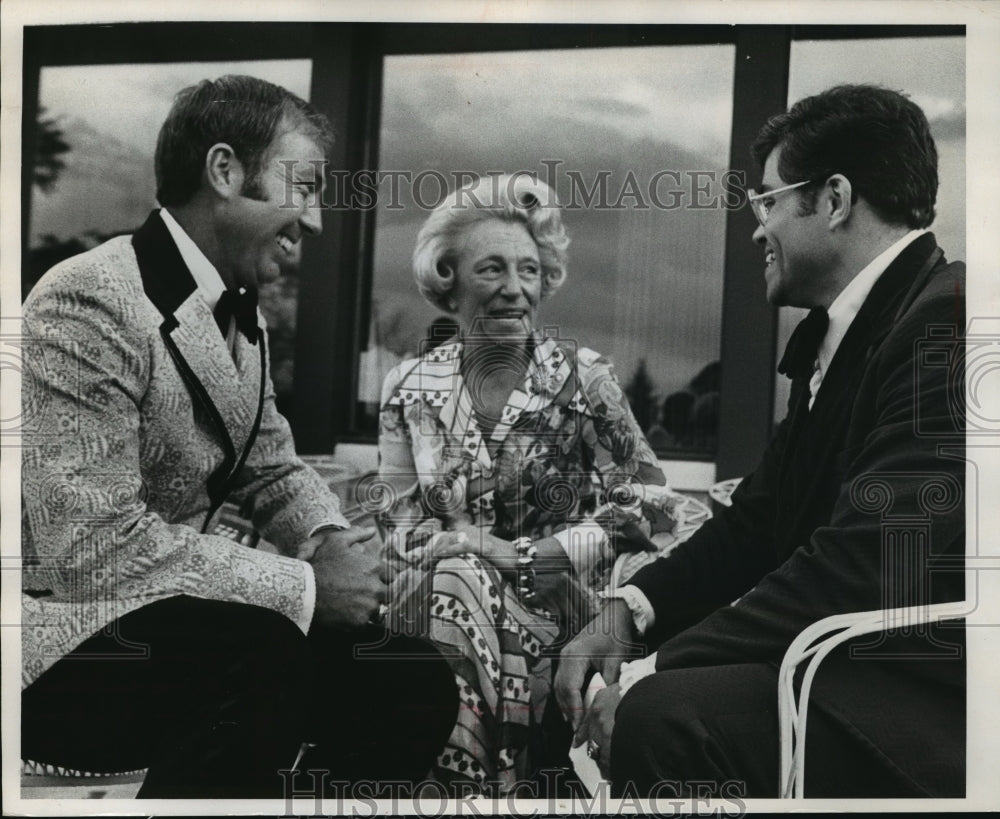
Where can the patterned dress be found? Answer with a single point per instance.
(566, 459)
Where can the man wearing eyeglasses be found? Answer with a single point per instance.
(857, 503)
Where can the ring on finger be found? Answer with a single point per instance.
(593, 749)
(378, 616)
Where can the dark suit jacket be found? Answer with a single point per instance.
(849, 504)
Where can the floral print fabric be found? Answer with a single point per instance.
(565, 459)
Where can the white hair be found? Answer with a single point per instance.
(518, 198)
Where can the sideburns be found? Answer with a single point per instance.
(807, 203)
(252, 187)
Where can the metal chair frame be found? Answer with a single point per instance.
(813, 645)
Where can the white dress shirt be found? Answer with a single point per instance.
(205, 275)
(842, 313)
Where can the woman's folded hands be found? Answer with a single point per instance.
(464, 541)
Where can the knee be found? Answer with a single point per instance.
(640, 716)
(281, 647)
(263, 651)
(462, 565)
(269, 681)
(278, 636)
(654, 732)
(426, 679)
(647, 709)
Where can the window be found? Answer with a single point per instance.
(638, 160)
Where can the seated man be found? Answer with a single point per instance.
(147, 641)
(852, 502)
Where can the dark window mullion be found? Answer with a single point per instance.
(366, 229)
(749, 323)
(329, 276)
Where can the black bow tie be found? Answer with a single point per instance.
(240, 305)
(799, 359)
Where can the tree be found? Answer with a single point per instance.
(50, 149)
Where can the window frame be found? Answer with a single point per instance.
(336, 273)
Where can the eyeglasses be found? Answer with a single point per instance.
(760, 205)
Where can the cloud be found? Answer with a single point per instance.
(951, 126)
(668, 93)
(606, 106)
(132, 101)
(946, 115)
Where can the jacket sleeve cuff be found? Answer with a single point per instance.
(335, 524)
(634, 671)
(583, 543)
(637, 602)
(308, 601)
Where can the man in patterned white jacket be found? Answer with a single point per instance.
(147, 641)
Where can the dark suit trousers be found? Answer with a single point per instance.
(215, 698)
(713, 731)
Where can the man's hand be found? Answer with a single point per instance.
(351, 575)
(337, 537)
(604, 644)
(597, 725)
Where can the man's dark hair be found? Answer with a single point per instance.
(244, 112)
(877, 138)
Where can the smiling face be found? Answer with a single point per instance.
(498, 279)
(264, 224)
(794, 242)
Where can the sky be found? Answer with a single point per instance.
(111, 115)
(131, 101)
(613, 111)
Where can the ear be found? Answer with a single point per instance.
(838, 204)
(223, 171)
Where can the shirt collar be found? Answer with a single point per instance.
(202, 270)
(847, 304)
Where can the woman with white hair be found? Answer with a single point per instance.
(512, 472)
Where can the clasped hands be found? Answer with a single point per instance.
(353, 571)
(464, 540)
(352, 575)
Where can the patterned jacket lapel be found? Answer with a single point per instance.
(232, 388)
(229, 391)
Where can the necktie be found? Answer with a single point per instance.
(799, 359)
(240, 305)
